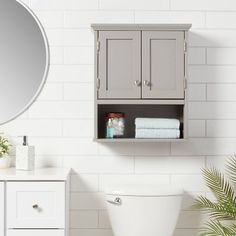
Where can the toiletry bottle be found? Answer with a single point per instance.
(25, 156)
(109, 129)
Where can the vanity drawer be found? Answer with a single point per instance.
(35, 205)
(35, 232)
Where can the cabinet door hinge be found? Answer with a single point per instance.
(185, 83)
(98, 46)
(185, 46)
(98, 83)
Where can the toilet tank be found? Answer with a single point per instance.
(143, 210)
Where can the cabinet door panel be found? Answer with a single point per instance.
(35, 205)
(119, 64)
(163, 64)
(2, 208)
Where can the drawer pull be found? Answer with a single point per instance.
(35, 206)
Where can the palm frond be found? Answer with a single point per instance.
(224, 206)
(221, 188)
(216, 228)
(215, 210)
(231, 168)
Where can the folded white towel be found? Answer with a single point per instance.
(157, 133)
(156, 123)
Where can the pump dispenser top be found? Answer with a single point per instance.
(25, 141)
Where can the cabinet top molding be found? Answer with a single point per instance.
(141, 26)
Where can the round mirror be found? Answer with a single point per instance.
(24, 59)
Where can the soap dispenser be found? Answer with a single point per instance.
(25, 156)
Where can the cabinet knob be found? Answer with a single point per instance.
(35, 206)
(146, 83)
(137, 82)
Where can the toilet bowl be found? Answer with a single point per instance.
(143, 210)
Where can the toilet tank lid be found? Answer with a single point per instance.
(141, 190)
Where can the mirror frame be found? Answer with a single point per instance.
(47, 64)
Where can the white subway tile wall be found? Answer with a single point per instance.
(60, 123)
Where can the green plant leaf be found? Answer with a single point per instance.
(224, 206)
(221, 188)
(4, 146)
(231, 168)
(216, 228)
(215, 210)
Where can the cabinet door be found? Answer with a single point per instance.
(35, 205)
(163, 64)
(119, 64)
(2, 208)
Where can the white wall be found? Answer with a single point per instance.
(60, 123)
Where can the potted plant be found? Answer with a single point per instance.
(5, 160)
(222, 211)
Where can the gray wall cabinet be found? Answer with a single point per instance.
(140, 69)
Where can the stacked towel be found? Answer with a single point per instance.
(157, 128)
(156, 123)
(157, 133)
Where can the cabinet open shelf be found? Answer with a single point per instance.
(132, 111)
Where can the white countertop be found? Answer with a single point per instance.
(44, 174)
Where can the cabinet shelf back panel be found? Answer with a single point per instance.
(133, 111)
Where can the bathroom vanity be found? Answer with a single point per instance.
(34, 202)
(141, 71)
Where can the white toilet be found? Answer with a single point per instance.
(148, 210)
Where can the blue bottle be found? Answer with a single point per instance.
(109, 129)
